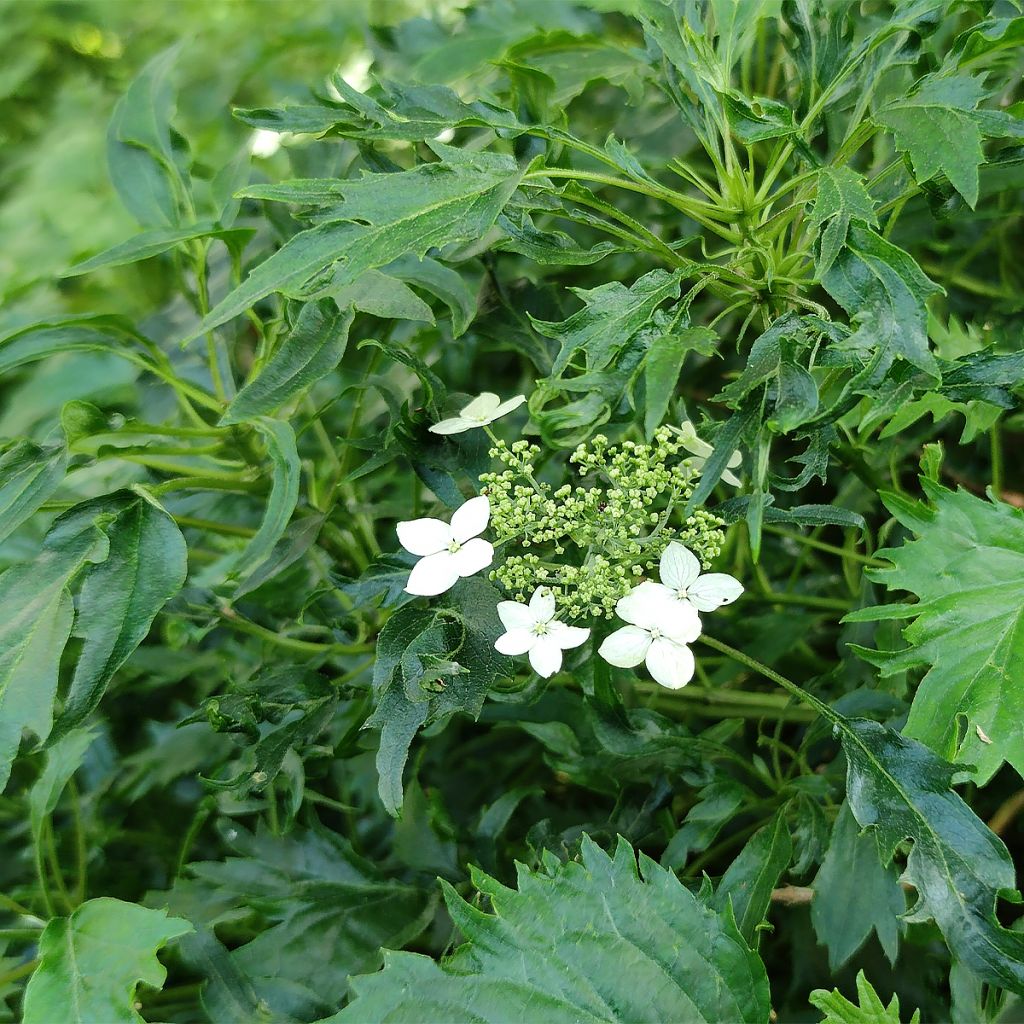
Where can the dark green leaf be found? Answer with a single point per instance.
(663, 365)
(752, 876)
(884, 291)
(842, 198)
(854, 894)
(313, 347)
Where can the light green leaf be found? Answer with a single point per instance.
(884, 291)
(285, 470)
(611, 315)
(663, 365)
(382, 296)
(871, 1010)
(750, 879)
(35, 622)
(313, 347)
(91, 962)
(754, 119)
(900, 791)
(842, 198)
(966, 566)
(450, 287)
(152, 243)
(405, 213)
(121, 596)
(936, 126)
(29, 474)
(642, 948)
(143, 165)
(63, 759)
(854, 894)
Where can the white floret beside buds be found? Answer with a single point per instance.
(532, 629)
(482, 411)
(662, 618)
(447, 551)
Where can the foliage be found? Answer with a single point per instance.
(409, 371)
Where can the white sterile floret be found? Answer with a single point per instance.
(533, 629)
(657, 635)
(447, 551)
(682, 583)
(484, 409)
(692, 443)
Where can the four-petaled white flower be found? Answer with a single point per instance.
(657, 634)
(534, 630)
(447, 552)
(683, 584)
(484, 409)
(692, 443)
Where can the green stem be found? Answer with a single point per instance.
(732, 703)
(996, 448)
(231, 618)
(769, 673)
(18, 972)
(210, 526)
(808, 601)
(832, 549)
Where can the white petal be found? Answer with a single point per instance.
(514, 615)
(734, 460)
(731, 478)
(670, 664)
(433, 575)
(542, 605)
(506, 407)
(626, 647)
(473, 556)
(424, 536)
(482, 407)
(567, 637)
(515, 641)
(713, 590)
(692, 443)
(679, 566)
(637, 607)
(456, 425)
(471, 518)
(678, 621)
(545, 657)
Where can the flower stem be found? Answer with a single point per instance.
(769, 673)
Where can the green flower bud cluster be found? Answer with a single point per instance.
(590, 542)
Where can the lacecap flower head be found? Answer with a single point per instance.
(447, 551)
(484, 409)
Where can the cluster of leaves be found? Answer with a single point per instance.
(237, 756)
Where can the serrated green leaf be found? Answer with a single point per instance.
(750, 879)
(936, 126)
(380, 218)
(966, 566)
(63, 759)
(611, 315)
(644, 948)
(884, 291)
(121, 596)
(854, 894)
(899, 790)
(91, 962)
(871, 1010)
(29, 474)
(841, 199)
(756, 118)
(313, 347)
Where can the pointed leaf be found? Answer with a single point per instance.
(642, 948)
